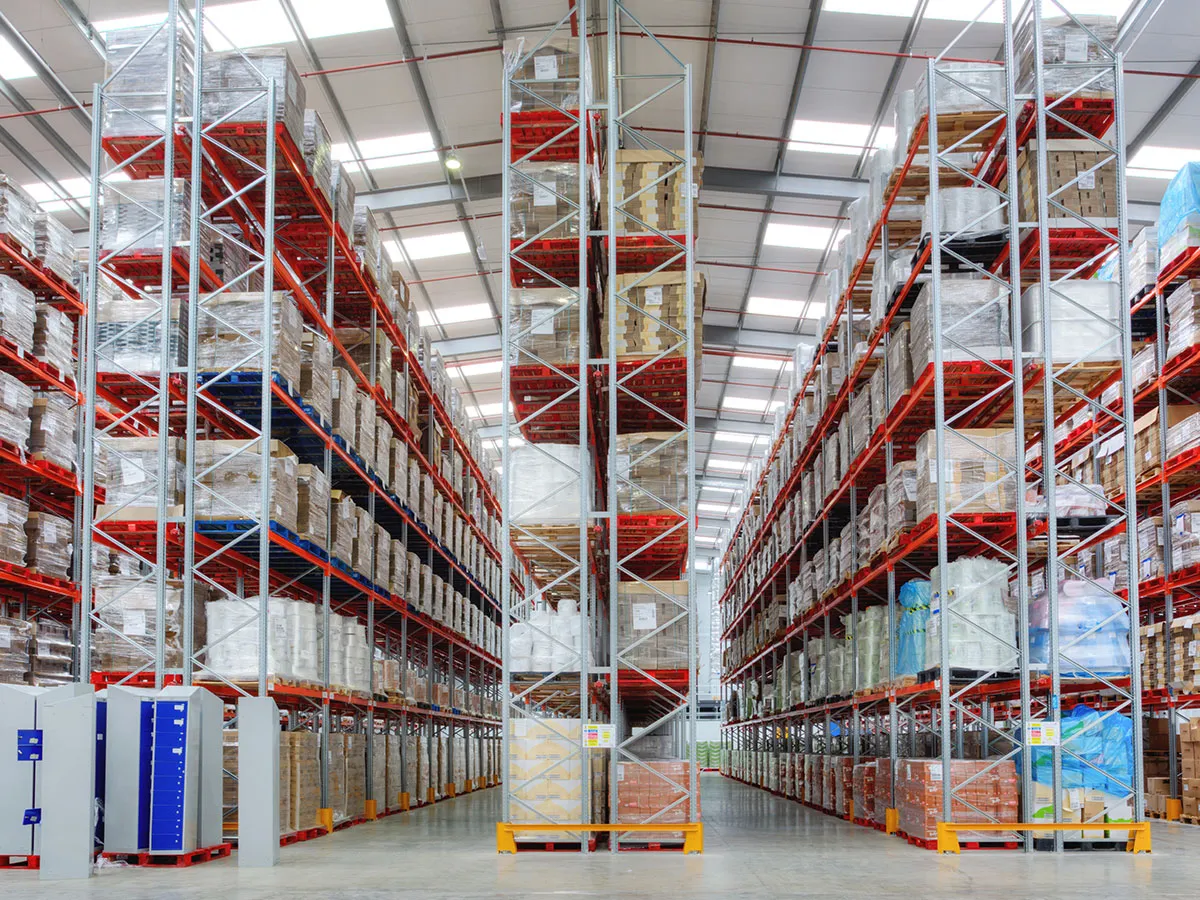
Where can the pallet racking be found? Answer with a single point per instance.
(593, 422)
(246, 169)
(1029, 389)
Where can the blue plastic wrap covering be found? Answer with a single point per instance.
(1182, 197)
(910, 628)
(1093, 631)
(1106, 745)
(1108, 271)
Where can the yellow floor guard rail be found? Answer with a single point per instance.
(693, 832)
(1139, 832)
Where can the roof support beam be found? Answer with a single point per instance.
(1163, 112)
(80, 21)
(714, 336)
(44, 73)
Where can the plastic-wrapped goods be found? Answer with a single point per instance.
(17, 213)
(318, 153)
(54, 338)
(16, 636)
(1093, 631)
(364, 428)
(544, 202)
(127, 605)
(133, 470)
(16, 313)
(977, 471)
(901, 498)
(1101, 758)
(1150, 564)
(367, 243)
(651, 473)
(363, 543)
(231, 260)
(359, 346)
(981, 612)
(549, 72)
(1183, 311)
(233, 486)
(54, 245)
(965, 211)
(545, 484)
(1143, 259)
(1179, 215)
(975, 323)
(899, 365)
(131, 219)
(960, 87)
(1084, 320)
(1182, 435)
(345, 404)
(876, 516)
(312, 502)
(835, 663)
(544, 322)
(136, 60)
(344, 195)
(398, 466)
(51, 654)
(235, 83)
(231, 334)
(984, 791)
(904, 120)
(870, 633)
(652, 615)
(49, 546)
(1076, 52)
(1083, 178)
(128, 332)
(1185, 534)
(655, 791)
(316, 374)
(861, 424)
(16, 398)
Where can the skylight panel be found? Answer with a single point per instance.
(720, 509)
(485, 410)
(466, 370)
(252, 23)
(454, 315)
(431, 246)
(387, 152)
(842, 138)
(745, 404)
(704, 565)
(1161, 162)
(801, 237)
(326, 18)
(971, 10)
(51, 200)
(787, 309)
(727, 465)
(732, 437)
(12, 64)
(760, 362)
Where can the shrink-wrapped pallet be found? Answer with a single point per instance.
(975, 323)
(544, 324)
(900, 371)
(651, 473)
(345, 404)
(16, 313)
(16, 399)
(16, 636)
(356, 775)
(129, 332)
(1084, 320)
(132, 218)
(1077, 53)
(367, 243)
(365, 353)
(364, 428)
(344, 195)
(136, 62)
(233, 261)
(235, 88)
(17, 213)
(544, 484)
(127, 605)
(303, 748)
(974, 601)
(49, 545)
(51, 653)
(231, 335)
(1183, 311)
(964, 212)
(962, 87)
(312, 511)
(544, 202)
(133, 468)
(54, 338)
(977, 471)
(653, 194)
(316, 374)
(983, 791)
(318, 153)
(234, 650)
(548, 71)
(54, 245)
(232, 479)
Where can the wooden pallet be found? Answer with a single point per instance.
(20, 862)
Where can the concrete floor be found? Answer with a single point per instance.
(756, 846)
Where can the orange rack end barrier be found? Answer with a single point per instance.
(891, 821)
(693, 832)
(1138, 842)
(325, 817)
(1174, 810)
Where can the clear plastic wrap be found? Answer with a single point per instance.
(17, 213)
(49, 549)
(344, 194)
(982, 616)
(342, 525)
(861, 423)
(16, 313)
(367, 243)
(231, 334)
(651, 473)
(652, 182)
(318, 153)
(963, 86)
(544, 322)
(1183, 312)
(312, 514)
(345, 404)
(964, 212)
(1093, 335)
(127, 604)
(364, 541)
(899, 365)
(357, 342)
(51, 653)
(16, 637)
(543, 202)
(1143, 259)
(977, 470)
(234, 627)
(550, 73)
(136, 64)
(235, 84)
(364, 428)
(233, 486)
(652, 616)
(16, 399)
(1077, 54)
(316, 374)
(1185, 534)
(975, 323)
(54, 245)
(985, 791)
(662, 327)
(544, 484)
(54, 338)
(128, 332)
(132, 469)
(232, 261)
(131, 219)
(1093, 631)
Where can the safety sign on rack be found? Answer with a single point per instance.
(1043, 734)
(598, 736)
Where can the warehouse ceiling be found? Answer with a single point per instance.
(770, 207)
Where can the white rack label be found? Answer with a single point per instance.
(1043, 734)
(543, 193)
(1087, 181)
(654, 296)
(1076, 49)
(131, 473)
(645, 616)
(134, 623)
(545, 68)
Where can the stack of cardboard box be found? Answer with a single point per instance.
(1189, 769)
(645, 791)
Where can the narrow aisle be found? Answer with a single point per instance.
(757, 846)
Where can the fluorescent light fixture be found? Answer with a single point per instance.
(485, 410)
(387, 152)
(960, 11)
(745, 404)
(454, 315)
(715, 484)
(734, 437)
(727, 465)
(464, 370)
(51, 200)
(845, 138)
(12, 64)
(719, 490)
(252, 23)
(787, 309)
(758, 362)
(431, 246)
(801, 237)
(1160, 162)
